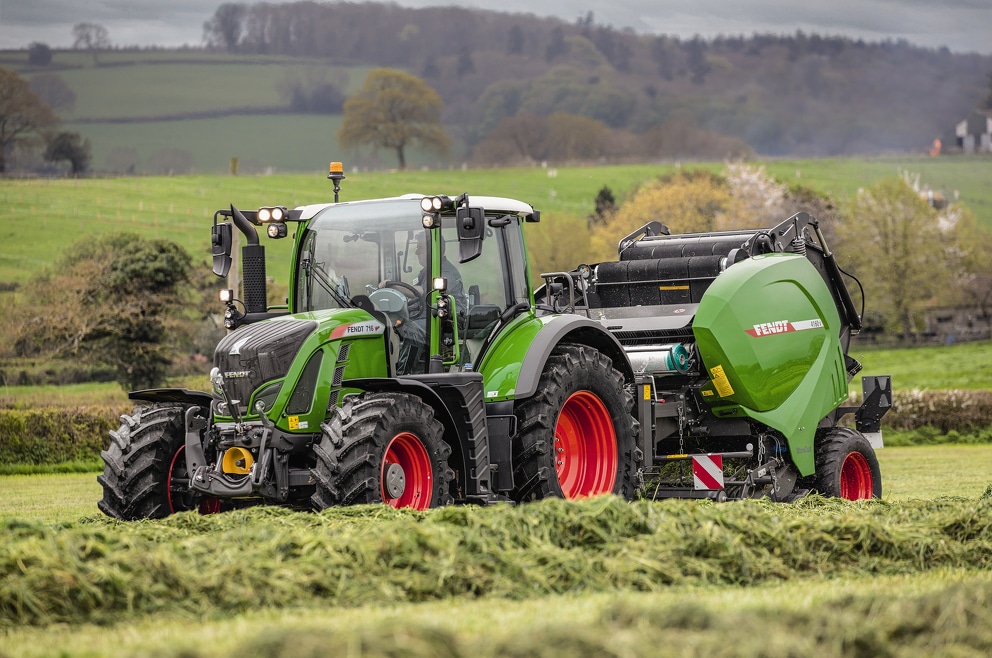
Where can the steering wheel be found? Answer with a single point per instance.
(416, 304)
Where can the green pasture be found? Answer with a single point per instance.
(962, 179)
(959, 366)
(148, 84)
(278, 143)
(43, 216)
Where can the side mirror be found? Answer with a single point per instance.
(221, 239)
(471, 223)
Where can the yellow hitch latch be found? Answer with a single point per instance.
(237, 461)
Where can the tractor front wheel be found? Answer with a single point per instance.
(382, 448)
(577, 434)
(846, 465)
(144, 475)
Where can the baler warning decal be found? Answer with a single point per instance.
(783, 326)
(720, 381)
(707, 471)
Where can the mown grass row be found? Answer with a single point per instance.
(951, 621)
(97, 571)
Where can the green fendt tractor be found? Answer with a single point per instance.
(416, 366)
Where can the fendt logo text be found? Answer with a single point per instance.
(783, 326)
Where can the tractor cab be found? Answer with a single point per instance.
(438, 272)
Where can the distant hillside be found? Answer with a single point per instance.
(269, 87)
(798, 95)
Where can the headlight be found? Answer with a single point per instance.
(271, 214)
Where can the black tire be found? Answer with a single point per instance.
(581, 412)
(382, 448)
(144, 475)
(846, 465)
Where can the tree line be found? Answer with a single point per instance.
(781, 94)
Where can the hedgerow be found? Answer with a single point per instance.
(49, 437)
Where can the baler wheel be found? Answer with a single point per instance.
(382, 448)
(846, 465)
(144, 475)
(577, 434)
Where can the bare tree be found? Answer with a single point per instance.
(91, 37)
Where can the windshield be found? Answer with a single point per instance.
(350, 249)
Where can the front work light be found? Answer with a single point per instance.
(271, 214)
(226, 296)
(276, 230)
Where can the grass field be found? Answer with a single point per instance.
(904, 576)
(44, 216)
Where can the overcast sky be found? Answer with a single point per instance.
(961, 25)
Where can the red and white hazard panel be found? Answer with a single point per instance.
(707, 471)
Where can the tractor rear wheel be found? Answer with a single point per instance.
(577, 434)
(382, 448)
(846, 465)
(144, 475)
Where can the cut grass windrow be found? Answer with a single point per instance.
(99, 571)
(952, 621)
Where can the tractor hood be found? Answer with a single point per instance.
(261, 352)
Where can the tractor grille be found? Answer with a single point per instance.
(257, 353)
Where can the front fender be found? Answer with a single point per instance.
(514, 365)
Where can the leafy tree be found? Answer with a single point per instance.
(91, 37)
(757, 199)
(574, 137)
(686, 202)
(430, 68)
(394, 110)
(54, 91)
(605, 205)
(23, 116)
(898, 249)
(466, 65)
(225, 29)
(515, 40)
(699, 66)
(39, 54)
(988, 99)
(119, 298)
(556, 46)
(69, 147)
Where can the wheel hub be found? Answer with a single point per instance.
(395, 480)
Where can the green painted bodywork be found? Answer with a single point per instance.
(365, 359)
(771, 325)
(501, 363)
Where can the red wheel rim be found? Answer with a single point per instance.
(407, 452)
(586, 458)
(855, 478)
(178, 479)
